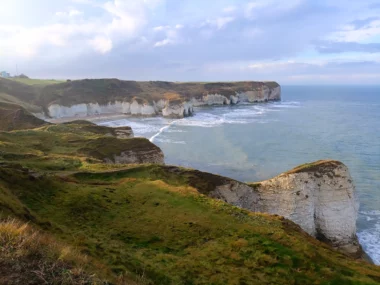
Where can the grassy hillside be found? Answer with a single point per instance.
(159, 227)
(29, 257)
(77, 145)
(14, 117)
(36, 82)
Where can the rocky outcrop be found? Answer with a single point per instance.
(123, 151)
(320, 197)
(177, 109)
(123, 132)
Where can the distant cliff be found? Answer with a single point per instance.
(89, 97)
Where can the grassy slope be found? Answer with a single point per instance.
(14, 117)
(163, 229)
(36, 82)
(66, 146)
(29, 257)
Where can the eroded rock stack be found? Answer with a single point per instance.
(319, 197)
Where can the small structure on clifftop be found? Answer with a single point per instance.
(5, 74)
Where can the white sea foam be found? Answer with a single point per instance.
(138, 128)
(370, 237)
(162, 130)
(284, 104)
(162, 140)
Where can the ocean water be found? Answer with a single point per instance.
(254, 142)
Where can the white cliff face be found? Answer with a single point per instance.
(177, 110)
(320, 198)
(174, 109)
(93, 109)
(215, 99)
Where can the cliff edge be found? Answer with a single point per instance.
(319, 197)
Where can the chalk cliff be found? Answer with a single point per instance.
(84, 98)
(319, 197)
(92, 97)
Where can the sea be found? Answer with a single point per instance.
(253, 142)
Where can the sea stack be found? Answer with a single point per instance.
(319, 197)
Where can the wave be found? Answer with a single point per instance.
(369, 238)
(162, 130)
(240, 114)
(161, 140)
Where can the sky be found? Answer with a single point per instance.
(292, 42)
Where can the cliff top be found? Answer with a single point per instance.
(321, 166)
(69, 146)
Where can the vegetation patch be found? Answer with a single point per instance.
(29, 257)
(322, 166)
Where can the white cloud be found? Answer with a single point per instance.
(74, 12)
(269, 7)
(230, 9)
(172, 35)
(348, 33)
(161, 28)
(163, 43)
(219, 22)
(101, 44)
(128, 18)
(70, 13)
(122, 21)
(82, 1)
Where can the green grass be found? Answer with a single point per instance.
(37, 82)
(165, 230)
(67, 146)
(29, 257)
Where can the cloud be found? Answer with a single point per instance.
(362, 23)
(230, 9)
(171, 35)
(359, 30)
(70, 13)
(221, 22)
(163, 43)
(195, 40)
(342, 47)
(101, 44)
(122, 21)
